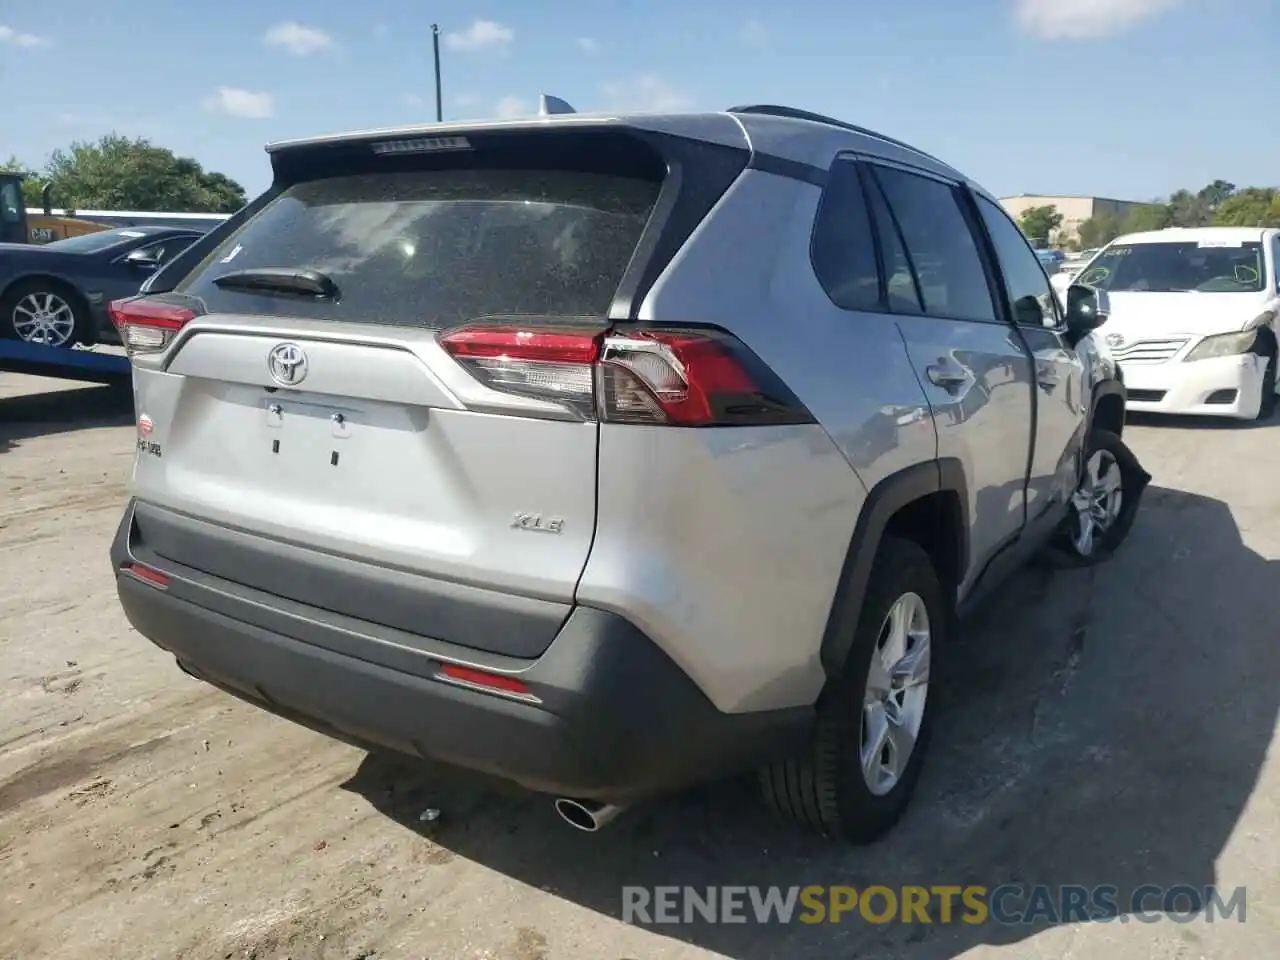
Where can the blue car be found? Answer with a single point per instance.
(56, 294)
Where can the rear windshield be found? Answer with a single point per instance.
(1207, 266)
(435, 248)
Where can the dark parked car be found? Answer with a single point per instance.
(57, 293)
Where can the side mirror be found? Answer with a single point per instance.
(1087, 310)
(142, 258)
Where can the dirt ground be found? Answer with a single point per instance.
(1111, 726)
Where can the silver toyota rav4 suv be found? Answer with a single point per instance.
(611, 454)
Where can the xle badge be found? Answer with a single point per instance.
(537, 523)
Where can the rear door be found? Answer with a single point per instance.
(338, 430)
(974, 369)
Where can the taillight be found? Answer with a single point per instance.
(148, 326)
(545, 364)
(646, 375)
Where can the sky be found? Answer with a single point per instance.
(1118, 98)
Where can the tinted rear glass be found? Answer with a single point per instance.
(435, 248)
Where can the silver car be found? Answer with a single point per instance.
(611, 454)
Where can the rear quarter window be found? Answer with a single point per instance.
(437, 248)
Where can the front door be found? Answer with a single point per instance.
(1062, 402)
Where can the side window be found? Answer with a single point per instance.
(844, 251)
(1275, 259)
(900, 275)
(940, 244)
(1030, 296)
(172, 247)
(11, 203)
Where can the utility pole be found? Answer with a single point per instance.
(435, 44)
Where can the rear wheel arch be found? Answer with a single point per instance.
(926, 503)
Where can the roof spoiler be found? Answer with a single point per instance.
(550, 105)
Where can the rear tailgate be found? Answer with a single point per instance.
(329, 451)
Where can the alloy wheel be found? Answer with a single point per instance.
(1097, 501)
(896, 692)
(44, 318)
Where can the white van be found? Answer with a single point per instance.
(1193, 318)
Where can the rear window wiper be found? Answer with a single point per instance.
(307, 283)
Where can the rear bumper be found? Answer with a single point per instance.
(1220, 387)
(614, 718)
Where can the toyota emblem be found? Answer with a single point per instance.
(1115, 340)
(287, 364)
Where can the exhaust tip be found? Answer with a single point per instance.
(577, 815)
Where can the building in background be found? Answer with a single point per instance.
(1074, 210)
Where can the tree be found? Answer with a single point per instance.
(1216, 193)
(1187, 209)
(1250, 207)
(31, 185)
(118, 173)
(1099, 230)
(1039, 223)
(1149, 216)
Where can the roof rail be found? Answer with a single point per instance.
(792, 113)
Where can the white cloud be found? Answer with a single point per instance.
(235, 102)
(754, 35)
(10, 37)
(413, 101)
(481, 35)
(589, 45)
(1085, 19)
(509, 107)
(299, 40)
(645, 94)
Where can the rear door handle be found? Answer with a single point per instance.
(947, 375)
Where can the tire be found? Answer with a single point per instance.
(1106, 452)
(824, 789)
(1267, 405)
(69, 316)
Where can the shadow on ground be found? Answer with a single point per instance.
(61, 411)
(1106, 727)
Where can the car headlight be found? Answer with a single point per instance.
(1224, 345)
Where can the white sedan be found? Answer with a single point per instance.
(1193, 318)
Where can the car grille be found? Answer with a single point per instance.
(1148, 351)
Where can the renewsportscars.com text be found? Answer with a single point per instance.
(1007, 904)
